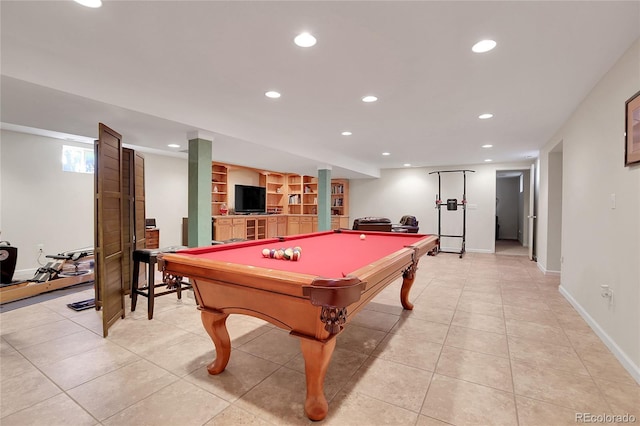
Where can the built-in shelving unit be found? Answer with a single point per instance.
(276, 191)
(291, 201)
(219, 190)
(339, 197)
(309, 195)
(294, 194)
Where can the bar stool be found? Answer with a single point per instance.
(173, 284)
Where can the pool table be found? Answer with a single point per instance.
(337, 274)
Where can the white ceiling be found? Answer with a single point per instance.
(155, 71)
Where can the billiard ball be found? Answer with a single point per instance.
(288, 253)
(266, 252)
(295, 256)
(362, 236)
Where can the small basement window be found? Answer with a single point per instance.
(78, 160)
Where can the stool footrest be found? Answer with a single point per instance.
(146, 293)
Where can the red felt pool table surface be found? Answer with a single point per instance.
(324, 254)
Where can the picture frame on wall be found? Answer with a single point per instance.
(632, 130)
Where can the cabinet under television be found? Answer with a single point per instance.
(260, 226)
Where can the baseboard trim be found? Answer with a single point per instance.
(546, 271)
(479, 251)
(466, 250)
(626, 362)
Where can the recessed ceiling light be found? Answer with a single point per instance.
(488, 160)
(483, 46)
(347, 133)
(369, 98)
(407, 165)
(305, 40)
(90, 3)
(487, 146)
(173, 145)
(273, 95)
(485, 116)
(386, 153)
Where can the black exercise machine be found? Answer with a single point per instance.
(60, 271)
(8, 259)
(452, 205)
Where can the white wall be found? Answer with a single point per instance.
(41, 204)
(601, 244)
(167, 182)
(412, 191)
(554, 228)
(1, 188)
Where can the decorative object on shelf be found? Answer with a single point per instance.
(223, 209)
(632, 126)
(215, 189)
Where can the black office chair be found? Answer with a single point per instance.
(407, 224)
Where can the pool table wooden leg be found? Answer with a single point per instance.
(215, 324)
(316, 355)
(408, 276)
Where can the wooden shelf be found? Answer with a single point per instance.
(219, 196)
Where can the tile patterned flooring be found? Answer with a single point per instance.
(489, 342)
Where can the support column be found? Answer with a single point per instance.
(200, 149)
(324, 198)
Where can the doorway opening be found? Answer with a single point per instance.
(554, 214)
(512, 210)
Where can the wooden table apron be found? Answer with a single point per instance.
(291, 301)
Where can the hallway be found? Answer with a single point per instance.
(511, 247)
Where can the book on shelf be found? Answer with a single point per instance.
(294, 199)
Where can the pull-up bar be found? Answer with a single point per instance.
(452, 204)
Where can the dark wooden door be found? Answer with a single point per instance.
(139, 201)
(134, 212)
(128, 220)
(109, 216)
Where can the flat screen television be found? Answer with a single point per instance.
(251, 199)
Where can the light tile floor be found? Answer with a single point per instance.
(490, 341)
(511, 247)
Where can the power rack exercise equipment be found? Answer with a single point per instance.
(452, 204)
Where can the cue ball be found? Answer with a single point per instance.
(265, 252)
(362, 236)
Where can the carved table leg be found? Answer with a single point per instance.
(408, 276)
(215, 325)
(316, 355)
